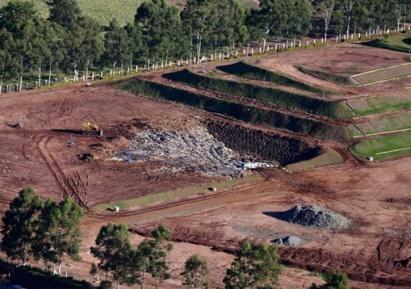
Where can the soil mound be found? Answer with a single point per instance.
(314, 216)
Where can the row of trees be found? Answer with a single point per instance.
(255, 266)
(68, 41)
(48, 231)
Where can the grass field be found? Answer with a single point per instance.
(398, 42)
(384, 147)
(380, 104)
(103, 11)
(179, 194)
(386, 124)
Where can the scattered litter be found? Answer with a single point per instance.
(195, 150)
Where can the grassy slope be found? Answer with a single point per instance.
(380, 104)
(105, 10)
(397, 42)
(388, 146)
(389, 123)
(251, 114)
(250, 71)
(279, 97)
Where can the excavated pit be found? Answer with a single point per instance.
(260, 146)
(214, 149)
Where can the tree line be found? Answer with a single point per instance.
(43, 230)
(68, 41)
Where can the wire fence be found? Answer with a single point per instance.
(249, 51)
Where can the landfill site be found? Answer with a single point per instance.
(288, 148)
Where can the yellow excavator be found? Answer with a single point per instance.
(90, 128)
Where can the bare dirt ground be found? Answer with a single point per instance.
(47, 153)
(40, 153)
(345, 60)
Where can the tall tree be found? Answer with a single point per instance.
(135, 37)
(118, 47)
(60, 231)
(230, 28)
(271, 19)
(66, 13)
(199, 19)
(23, 39)
(115, 254)
(195, 273)
(83, 42)
(300, 16)
(160, 25)
(255, 266)
(159, 268)
(326, 10)
(142, 260)
(21, 226)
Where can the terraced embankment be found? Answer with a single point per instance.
(262, 146)
(327, 76)
(236, 108)
(383, 74)
(250, 71)
(266, 95)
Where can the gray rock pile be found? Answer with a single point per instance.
(314, 216)
(288, 241)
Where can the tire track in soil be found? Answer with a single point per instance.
(67, 184)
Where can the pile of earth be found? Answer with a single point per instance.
(314, 216)
(194, 150)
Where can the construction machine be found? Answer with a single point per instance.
(90, 128)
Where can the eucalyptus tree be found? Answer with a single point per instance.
(115, 254)
(21, 226)
(59, 233)
(255, 266)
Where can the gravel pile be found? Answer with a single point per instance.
(314, 216)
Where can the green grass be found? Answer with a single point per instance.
(268, 95)
(249, 71)
(383, 147)
(386, 124)
(246, 113)
(327, 76)
(328, 158)
(172, 196)
(381, 104)
(103, 11)
(397, 42)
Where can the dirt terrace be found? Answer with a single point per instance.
(376, 197)
(345, 60)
